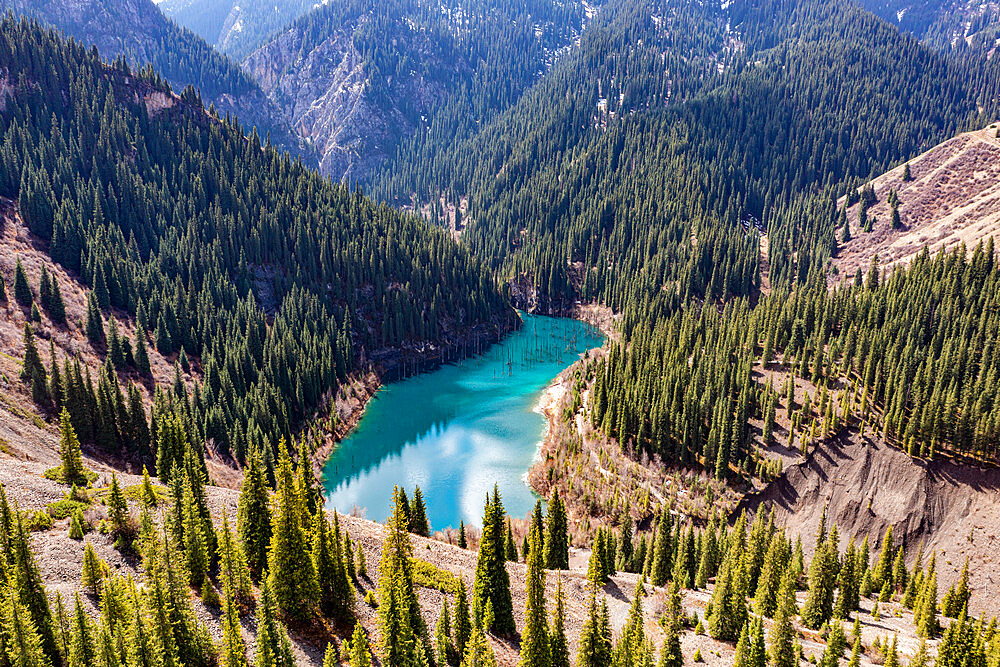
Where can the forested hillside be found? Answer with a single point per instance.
(357, 78)
(277, 283)
(968, 28)
(643, 162)
(138, 31)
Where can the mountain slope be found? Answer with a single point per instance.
(357, 78)
(959, 25)
(137, 30)
(953, 197)
(277, 283)
(637, 165)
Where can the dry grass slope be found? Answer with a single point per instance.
(953, 198)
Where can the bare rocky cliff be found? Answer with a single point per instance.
(352, 114)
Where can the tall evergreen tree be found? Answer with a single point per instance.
(558, 643)
(557, 535)
(403, 633)
(273, 647)
(292, 577)
(782, 651)
(22, 292)
(95, 323)
(670, 653)
(254, 514)
(492, 584)
(463, 621)
(73, 471)
(360, 651)
(535, 637)
(595, 638)
(419, 525)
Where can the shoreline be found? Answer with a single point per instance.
(350, 409)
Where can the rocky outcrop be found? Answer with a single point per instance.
(337, 101)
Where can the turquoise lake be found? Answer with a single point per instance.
(459, 429)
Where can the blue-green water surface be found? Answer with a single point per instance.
(459, 429)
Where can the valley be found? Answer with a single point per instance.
(628, 333)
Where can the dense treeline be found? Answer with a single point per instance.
(225, 251)
(909, 353)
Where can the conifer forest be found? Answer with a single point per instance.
(228, 229)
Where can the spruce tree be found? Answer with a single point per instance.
(403, 634)
(73, 471)
(418, 515)
(118, 514)
(630, 648)
(595, 645)
(95, 323)
(141, 355)
(535, 637)
(32, 371)
(463, 622)
(558, 643)
(882, 572)
(729, 611)
(957, 598)
(742, 655)
(670, 653)
(196, 550)
(292, 577)
(233, 649)
(444, 649)
(83, 649)
(26, 580)
(462, 541)
(92, 576)
(509, 548)
(836, 642)
(557, 535)
(818, 608)
(335, 591)
(782, 651)
(492, 584)
(234, 573)
(273, 647)
(254, 514)
(925, 613)
(360, 651)
(660, 568)
(22, 292)
(478, 652)
(55, 307)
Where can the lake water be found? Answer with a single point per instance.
(459, 429)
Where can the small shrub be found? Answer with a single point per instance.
(37, 520)
(697, 656)
(428, 575)
(56, 475)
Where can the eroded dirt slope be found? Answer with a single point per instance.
(868, 486)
